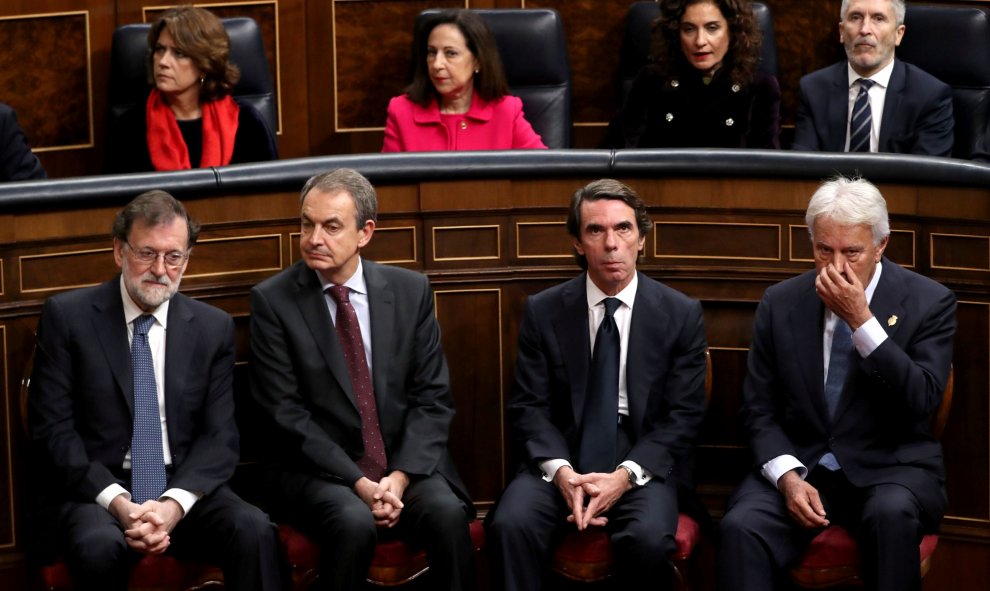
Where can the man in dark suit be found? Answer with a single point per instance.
(131, 404)
(609, 393)
(17, 162)
(873, 102)
(347, 361)
(846, 365)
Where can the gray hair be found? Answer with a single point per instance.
(352, 181)
(849, 201)
(154, 208)
(898, 6)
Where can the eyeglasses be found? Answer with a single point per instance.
(173, 259)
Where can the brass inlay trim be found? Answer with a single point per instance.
(931, 250)
(414, 249)
(538, 256)
(336, 81)
(656, 241)
(1, 277)
(89, 74)
(278, 46)
(498, 245)
(501, 366)
(277, 237)
(52, 255)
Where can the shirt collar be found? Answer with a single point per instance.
(595, 296)
(355, 282)
(882, 78)
(872, 287)
(132, 311)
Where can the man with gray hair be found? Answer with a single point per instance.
(846, 365)
(347, 362)
(872, 102)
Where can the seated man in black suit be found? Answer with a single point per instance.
(132, 409)
(608, 397)
(847, 364)
(17, 161)
(347, 361)
(873, 102)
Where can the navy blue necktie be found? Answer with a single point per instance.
(839, 361)
(601, 406)
(861, 122)
(148, 477)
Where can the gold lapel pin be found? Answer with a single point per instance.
(892, 320)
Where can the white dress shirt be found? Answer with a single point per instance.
(877, 94)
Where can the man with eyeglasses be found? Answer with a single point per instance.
(132, 415)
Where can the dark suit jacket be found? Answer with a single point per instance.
(81, 398)
(917, 112)
(665, 376)
(880, 433)
(17, 162)
(299, 376)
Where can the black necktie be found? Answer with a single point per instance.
(839, 362)
(601, 405)
(861, 122)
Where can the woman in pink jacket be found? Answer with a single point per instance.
(458, 99)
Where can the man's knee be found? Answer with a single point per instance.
(97, 550)
(892, 508)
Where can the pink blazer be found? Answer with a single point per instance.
(498, 125)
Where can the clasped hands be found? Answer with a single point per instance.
(148, 526)
(384, 497)
(598, 489)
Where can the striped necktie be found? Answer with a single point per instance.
(861, 123)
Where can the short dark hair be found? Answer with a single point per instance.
(605, 189)
(745, 39)
(489, 82)
(357, 186)
(155, 208)
(199, 34)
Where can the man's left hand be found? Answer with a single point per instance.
(388, 504)
(155, 520)
(603, 490)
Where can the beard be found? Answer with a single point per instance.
(149, 297)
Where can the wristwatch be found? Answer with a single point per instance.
(631, 474)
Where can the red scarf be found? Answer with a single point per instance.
(168, 149)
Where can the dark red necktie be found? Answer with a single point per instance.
(373, 462)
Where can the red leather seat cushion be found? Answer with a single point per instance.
(151, 573)
(835, 548)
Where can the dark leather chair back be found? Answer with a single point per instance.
(534, 52)
(639, 26)
(952, 43)
(129, 72)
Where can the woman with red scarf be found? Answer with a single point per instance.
(190, 119)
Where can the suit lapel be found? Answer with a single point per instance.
(313, 307)
(111, 332)
(807, 322)
(181, 334)
(649, 322)
(891, 103)
(838, 110)
(571, 329)
(381, 303)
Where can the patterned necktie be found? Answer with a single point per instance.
(148, 477)
(373, 462)
(861, 123)
(839, 361)
(601, 405)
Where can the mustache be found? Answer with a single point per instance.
(163, 280)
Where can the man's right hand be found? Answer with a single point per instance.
(574, 495)
(386, 507)
(803, 502)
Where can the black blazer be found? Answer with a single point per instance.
(300, 380)
(17, 162)
(81, 397)
(917, 112)
(880, 433)
(684, 112)
(665, 377)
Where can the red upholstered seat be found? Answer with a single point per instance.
(587, 555)
(152, 573)
(833, 559)
(394, 563)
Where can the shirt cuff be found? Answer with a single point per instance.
(550, 467)
(184, 498)
(781, 465)
(110, 493)
(868, 337)
(642, 474)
